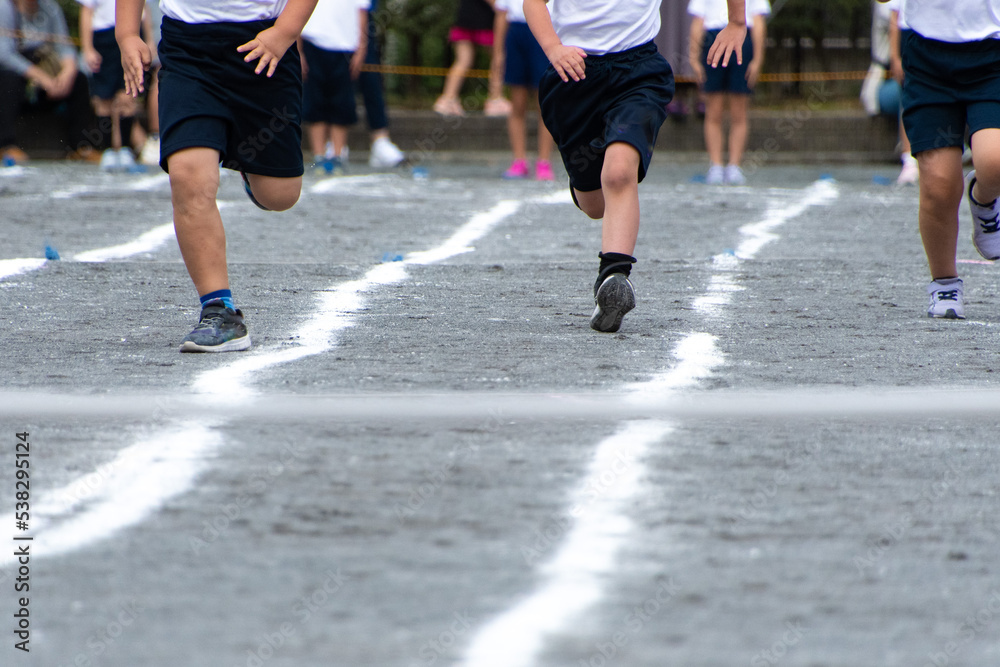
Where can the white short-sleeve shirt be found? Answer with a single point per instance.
(104, 13)
(192, 11)
(716, 12)
(605, 26)
(897, 6)
(953, 20)
(514, 9)
(334, 24)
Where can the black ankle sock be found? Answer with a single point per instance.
(613, 262)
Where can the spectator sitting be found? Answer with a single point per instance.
(38, 68)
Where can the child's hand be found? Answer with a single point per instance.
(268, 46)
(93, 60)
(135, 61)
(729, 42)
(568, 62)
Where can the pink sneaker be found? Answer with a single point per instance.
(543, 171)
(518, 169)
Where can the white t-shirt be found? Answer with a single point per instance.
(605, 26)
(953, 20)
(716, 12)
(897, 6)
(191, 11)
(104, 13)
(334, 24)
(514, 9)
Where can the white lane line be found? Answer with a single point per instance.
(118, 502)
(147, 242)
(13, 267)
(573, 580)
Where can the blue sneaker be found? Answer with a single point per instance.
(220, 329)
(246, 188)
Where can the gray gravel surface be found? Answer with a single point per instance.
(799, 542)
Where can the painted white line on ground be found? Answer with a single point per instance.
(148, 242)
(179, 455)
(573, 580)
(13, 267)
(344, 184)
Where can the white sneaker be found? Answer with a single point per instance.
(150, 153)
(716, 175)
(126, 162)
(985, 222)
(946, 300)
(909, 174)
(734, 175)
(385, 154)
(109, 160)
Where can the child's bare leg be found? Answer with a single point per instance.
(620, 185)
(591, 203)
(464, 54)
(516, 126)
(318, 133)
(714, 110)
(941, 186)
(738, 127)
(194, 183)
(338, 135)
(276, 193)
(986, 156)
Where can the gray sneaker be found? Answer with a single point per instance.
(946, 300)
(614, 298)
(985, 222)
(220, 329)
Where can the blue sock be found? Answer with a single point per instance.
(226, 296)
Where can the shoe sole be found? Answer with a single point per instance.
(615, 297)
(234, 345)
(949, 314)
(975, 221)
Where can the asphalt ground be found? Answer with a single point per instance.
(522, 534)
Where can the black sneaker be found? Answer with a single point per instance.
(246, 187)
(221, 329)
(614, 298)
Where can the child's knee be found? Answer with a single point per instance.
(277, 194)
(591, 203)
(619, 175)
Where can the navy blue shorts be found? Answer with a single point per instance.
(108, 80)
(623, 98)
(948, 87)
(210, 98)
(526, 61)
(328, 96)
(733, 77)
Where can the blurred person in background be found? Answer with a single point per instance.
(733, 84)
(38, 70)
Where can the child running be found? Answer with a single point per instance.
(604, 99)
(230, 92)
(951, 56)
(115, 109)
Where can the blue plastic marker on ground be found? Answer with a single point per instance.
(50, 252)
